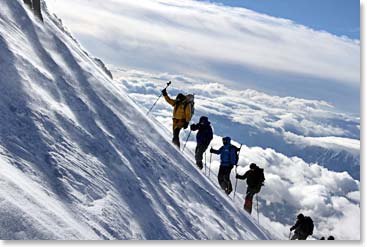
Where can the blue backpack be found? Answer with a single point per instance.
(229, 155)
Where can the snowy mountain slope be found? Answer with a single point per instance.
(79, 159)
(309, 129)
(298, 178)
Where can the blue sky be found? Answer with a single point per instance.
(216, 43)
(340, 17)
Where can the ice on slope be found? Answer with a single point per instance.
(79, 160)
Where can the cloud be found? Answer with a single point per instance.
(233, 45)
(293, 118)
(309, 129)
(292, 185)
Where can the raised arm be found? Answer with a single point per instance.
(169, 100)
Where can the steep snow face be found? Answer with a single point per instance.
(79, 160)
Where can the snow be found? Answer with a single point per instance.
(80, 160)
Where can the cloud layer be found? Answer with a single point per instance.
(309, 129)
(293, 186)
(233, 45)
(299, 120)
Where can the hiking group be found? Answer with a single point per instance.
(183, 110)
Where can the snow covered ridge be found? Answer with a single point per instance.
(79, 159)
(309, 129)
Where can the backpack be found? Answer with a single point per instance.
(189, 102)
(259, 175)
(256, 178)
(308, 225)
(229, 155)
(234, 156)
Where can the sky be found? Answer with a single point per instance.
(237, 47)
(340, 17)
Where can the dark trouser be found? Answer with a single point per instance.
(36, 6)
(251, 191)
(176, 137)
(37, 9)
(224, 178)
(177, 125)
(28, 2)
(199, 151)
(299, 235)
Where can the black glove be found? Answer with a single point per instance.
(186, 124)
(291, 229)
(164, 92)
(211, 150)
(237, 176)
(192, 127)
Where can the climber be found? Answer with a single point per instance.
(228, 159)
(203, 139)
(303, 227)
(182, 113)
(255, 180)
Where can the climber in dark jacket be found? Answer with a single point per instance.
(228, 159)
(203, 139)
(303, 227)
(255, 179)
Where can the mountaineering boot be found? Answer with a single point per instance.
(248, 205)
(199, 164)
(228, 189)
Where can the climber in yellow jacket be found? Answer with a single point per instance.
(181, 114)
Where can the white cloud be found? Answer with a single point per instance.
(330, 198)
(292, 185)
(204, 40)
(299, 121)
(328, 142)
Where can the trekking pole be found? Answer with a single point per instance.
(186, 141)
(235, 187)
(257, 209)
(290, 233)
(205, 163)
(210, 162)
(168, 83)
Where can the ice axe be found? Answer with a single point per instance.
(151, 108)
